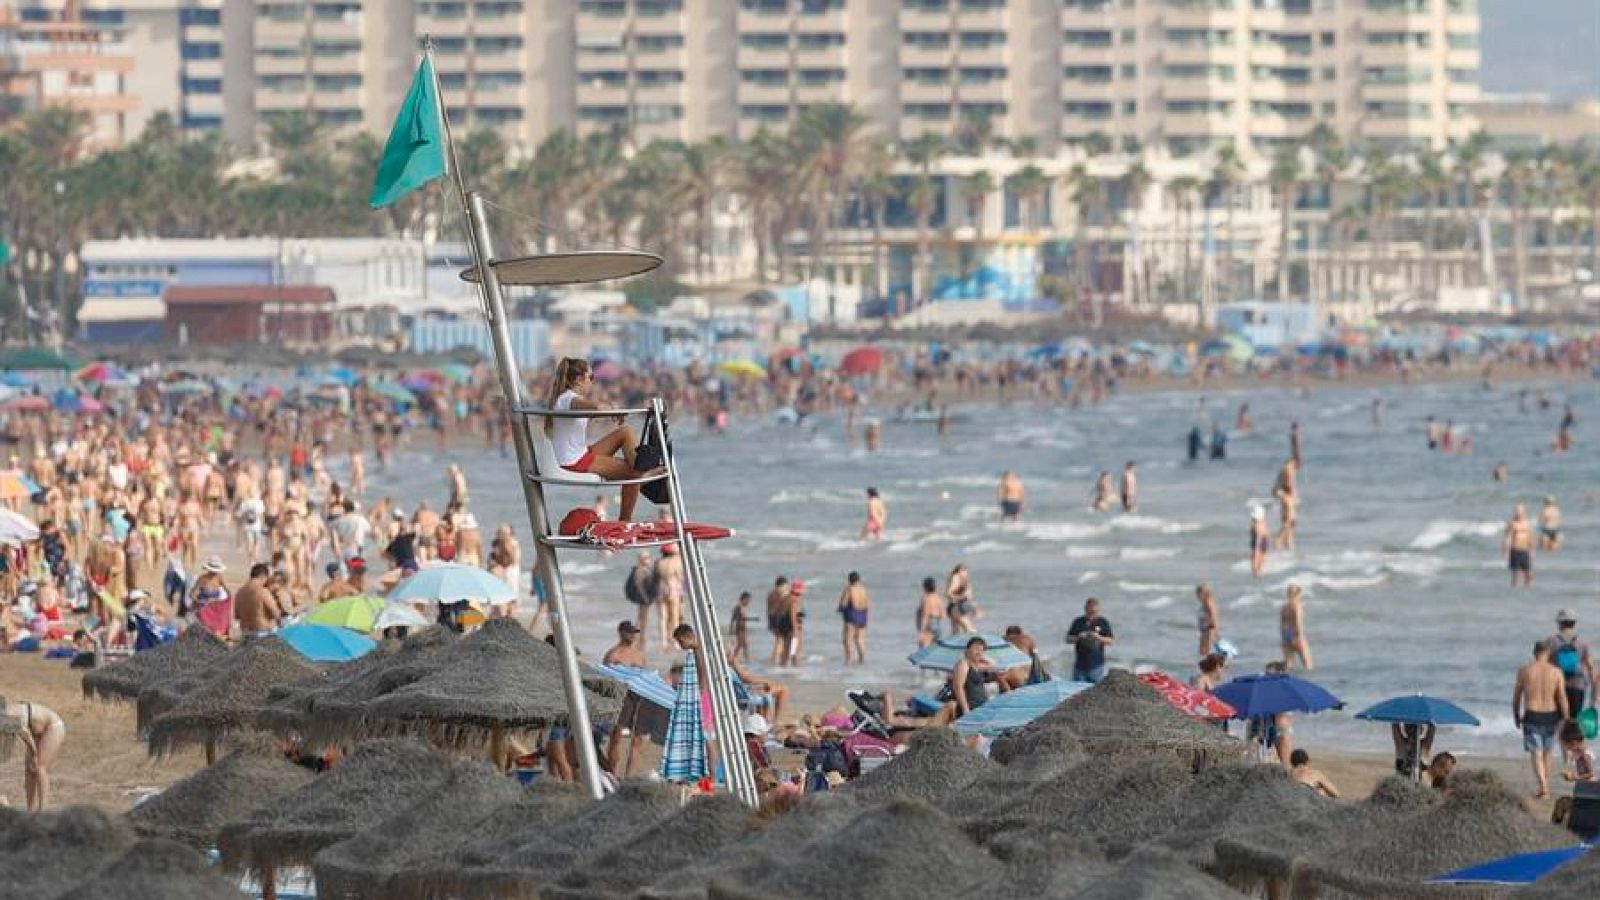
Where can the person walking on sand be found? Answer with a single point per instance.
(1207, 621)
(1011, 497)
(1518, 547)
(1260, 541)
(1550, 526)
(42, 733)
(877, 516)
(1538, 707)
(1570, 654)
(1292, 628)
(930, 613)
(1130, 487)
(853, 605)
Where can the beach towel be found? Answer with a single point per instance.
(617, 535)
(683, 756)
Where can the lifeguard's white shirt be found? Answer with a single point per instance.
(569, 437)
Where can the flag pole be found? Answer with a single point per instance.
(478, 241)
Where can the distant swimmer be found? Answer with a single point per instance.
(877, 516)
(1241, 422)
(1501, 472)
(1260, 541)
(1196, 442)
(1433, 433)
(1219, 443)
(1518, 547)
(1292, 628)
(1447, 438)
(1294, 443)
(1550, 526)
(1104, 497)
(1287, 490)
(1011, 497)
(873, 433)
(1377, 412)
(1130, 487)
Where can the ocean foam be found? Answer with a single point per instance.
(1442, 531)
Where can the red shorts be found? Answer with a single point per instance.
(583, 463)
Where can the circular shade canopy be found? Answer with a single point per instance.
(569, 268)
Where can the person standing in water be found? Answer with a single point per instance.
(930, 613)
(1377, 412)
(853, 605)
(1242, 423)
(1550, 526)
(1103, 495)
(1011, 497)
(1130, 487)
(1518, 547)
(877, 516)
(1196, 442)
(1207, 621)
(1287, 491)
(1501, 472)
(1292, 625)
(1260, 540)
(1294, 443)
(1538, 707)
(1219, 443)
(961, 609)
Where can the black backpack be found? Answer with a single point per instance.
(651, 454)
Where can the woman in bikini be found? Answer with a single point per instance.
(1292, 619)
(569, 436)
(42, 734)
(960, 608)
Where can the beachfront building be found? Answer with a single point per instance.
(378, 286)
(63, 58)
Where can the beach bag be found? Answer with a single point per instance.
(650, 454)
(1589, 721)
(1569, 659)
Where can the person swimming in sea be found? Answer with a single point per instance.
(1011, 496)
(877, 516)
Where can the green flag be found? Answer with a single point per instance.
(415, 152)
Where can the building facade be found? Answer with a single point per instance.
(61, 58)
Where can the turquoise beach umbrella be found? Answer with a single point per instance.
(943, 654)
(325, 643)
(1014, 709)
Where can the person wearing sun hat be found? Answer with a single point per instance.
(210, 600)
(1571, 655)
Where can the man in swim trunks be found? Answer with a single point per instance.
(669, 590)
(930, 614)
(1550, 526)
(853, 605)
(1539, 706)
(1518, 547)
(1130, 488)
(1011, 496)
(777, 613)
(877, 516)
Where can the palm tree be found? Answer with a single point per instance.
(1386, 187)
(1589, 186)
(1087, 193)
(975, 191)
(1331, 161)
(1029, 185)
(1284, 179)
(762, 181)
(876, 187)
(1344, 223)
(1135, 182)
(1517, 179)
(1225, 178)
(923, 152)
(830, 138)
(706, 163)
(1433, 182)
(1183, 191)
(1466, 172)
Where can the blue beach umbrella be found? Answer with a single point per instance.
(943, 654)
(1014, 709)
(450, 582)
(647, 684)
(1260, 696)
(1523, 868)
(391, 391)
(325, 643)
(1418, 709)
(683, 756)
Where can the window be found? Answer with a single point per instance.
(1462, 41)
(1291, 111)
(1420, 40)
(206, 50)
(982, 5)
(497, 81)
(1462, 76)
(109, 16)
(820, 7)
(764, 41)
(1397, 6)
(609, 115)
(456, 10)
(1328, 39)
(448, 45)
(925, 6)
(497, 44)
(653, 77)
(1297, 75)
(194, 122)
(1086, 38)
(1087, 5)
(1129, 36)
(1330, 73)
(927, 40)
(657, 8)
(1130, 107)
(764, 113)
(498, 115)
(1199, 107)
(659, 43)
(1128, 70)
(652, 113)
(1197, 72)
(1392, 75)
(202, 85)
(603, 9)
(818, 41)
(1087, 74)
(336, 12)
(345, 48)
(973, 112)
(982, 74)
(280, 51)
(210, 18)
(342, 117)
(814, 77)
(1289, 7)
(1330, 108)
(281, 12)
(1397, 109)
(1461, 6)
(765, 77)
(1200, 4)
(981, 40)
(936, 112)
(1087, 109)
(764, 7)
(453, 81)
(1457, 110)
(608, 78)
(498, 9)
(1200, 37)
(336, 82)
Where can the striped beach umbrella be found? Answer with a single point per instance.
(683, 757)
(1016, 708)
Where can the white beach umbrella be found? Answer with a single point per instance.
(450, 582)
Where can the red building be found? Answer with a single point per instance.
(290, 314)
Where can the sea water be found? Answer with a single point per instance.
(1399, 548)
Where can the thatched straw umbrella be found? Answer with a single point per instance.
(497, 680)
(193, 811)
(701, 830)
(815, 814)
(936, 764)
(1274, 854)
(233, 692)
(1154, 874)
(384, 861)
(289, 710)
(154, 870)
(40, 853)
(1121, 715)
(901, 849)
(1223, 797)
(1479, 819)
(193, 650)
(376, 781)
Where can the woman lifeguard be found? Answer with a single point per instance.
(569, 436)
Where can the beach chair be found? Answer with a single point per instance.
(544, 456)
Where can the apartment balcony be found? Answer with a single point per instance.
(600, 28)
(921, 20)
(918, 91)
(658, 94)
(1079, 124)
(997, 91)
(993, 56)
(645, 132)
(912, 56)
(340, 64)
(763, 58)
(279, 31)
(1395, 55)
(500, 26)
(444, 26)
(1088, 55)
(1076, 89)
(1463, 59)
(202, 68)
(203, 104)
(763, 19)
(671, 23)
(983, 20)
(203, 33)
(1394, 20)
(668, 58)
(812, 94)
(1199, 54)
(279, 65)
(1405, 93)
(756, 94)
(340, 98)
(1463, 93)
(336, 29)
(1199, 17)
(1101, 16)
(833, 21)
(1201, 123)
(602, 95)
(269, 101)
(1399, 129)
